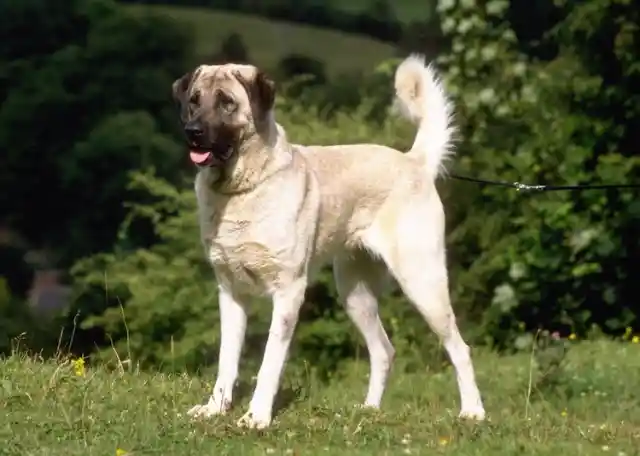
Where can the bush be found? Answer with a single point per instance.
(559, 260)
(17, 273)
(22, 330)
(60, 106)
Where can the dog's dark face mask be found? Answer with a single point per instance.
(220, 106)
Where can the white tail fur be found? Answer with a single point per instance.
(423, 100)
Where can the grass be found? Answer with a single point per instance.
(268, 41)
(50, 410)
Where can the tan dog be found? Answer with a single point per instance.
(272, 212)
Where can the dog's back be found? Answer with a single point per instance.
(355, 182)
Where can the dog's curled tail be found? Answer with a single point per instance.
(422, 98)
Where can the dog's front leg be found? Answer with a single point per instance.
(286, 307)
(233, 323)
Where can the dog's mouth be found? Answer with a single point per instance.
(202, 157)
(216, 155)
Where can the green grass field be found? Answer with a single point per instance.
(269, 41)
(49, 410)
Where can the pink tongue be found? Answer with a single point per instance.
(198, 157)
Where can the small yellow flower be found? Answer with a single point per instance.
(572, 336)
(635, 340)
(563, 413)
(443, 441)
(121, 452)
(78, 367)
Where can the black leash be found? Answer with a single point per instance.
(543, 188)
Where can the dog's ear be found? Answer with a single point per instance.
(265, 91)
(261, 90)
(181, 85)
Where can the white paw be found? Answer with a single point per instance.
(367, 406)
(251, 420)
(476, 414)
(206, 410)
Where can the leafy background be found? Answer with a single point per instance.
(93, 183)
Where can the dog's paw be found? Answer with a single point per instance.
(251, 420)
(476, 414)
(367, 406)
(206, 410)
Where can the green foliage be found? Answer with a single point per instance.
(167, 289)
(557, 260)
(15, 270)
(20, 329)
(84, 77)
(12, 318)
(232, 49)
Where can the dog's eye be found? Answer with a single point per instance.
(195, 99)
(225, 101)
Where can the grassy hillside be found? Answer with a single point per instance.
(405, 10)
(49, 410)
(268, 41)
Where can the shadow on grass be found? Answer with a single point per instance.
(284, 399)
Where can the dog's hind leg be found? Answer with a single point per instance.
(427, 288)
(359, 279)
(412, 245)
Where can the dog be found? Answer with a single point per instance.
(272, 212)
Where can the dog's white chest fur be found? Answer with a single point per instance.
(239, 252)
(246, 249)
(240, 256)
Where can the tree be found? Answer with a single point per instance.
(73, 121)
(561, 260)
(232, 49)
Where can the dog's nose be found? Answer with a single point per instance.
(193, 129)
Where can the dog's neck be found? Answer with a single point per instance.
(259, 156)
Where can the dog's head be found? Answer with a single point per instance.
(220, 107)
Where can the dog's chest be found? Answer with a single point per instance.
(244, 250)
(242, 258)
